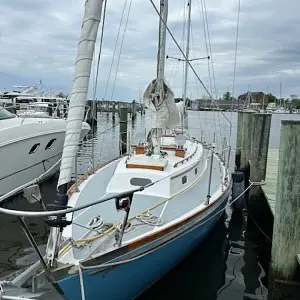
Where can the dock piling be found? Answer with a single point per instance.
(259, 151)
(238, 187)
(286, 232)
(113, 110)
(246, 140)
(133, 110)
(92, 112)
(238, 140)
(123, 129)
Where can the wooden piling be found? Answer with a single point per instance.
(113, 110)
(119, 108)
(238, 140)
(238, 187)
(92, 112)
(123, 129)
(246, 140)
(259, 151)
(133, 109)
(102, 105)
(107, 107)
(286, 232)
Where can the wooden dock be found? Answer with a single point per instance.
(269, 188)
(275, 177)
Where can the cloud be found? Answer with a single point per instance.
(38, 40)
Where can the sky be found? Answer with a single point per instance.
(38, 41)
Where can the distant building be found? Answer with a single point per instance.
(259, 98)
(208, 104)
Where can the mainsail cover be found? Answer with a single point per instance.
(83, 65)
(165, 114)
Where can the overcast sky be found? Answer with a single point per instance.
(38, 40)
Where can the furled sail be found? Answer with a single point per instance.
(165, 114)
(158, 96)
(85, 52)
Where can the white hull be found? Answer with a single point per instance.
(21, 167)
(29, 149)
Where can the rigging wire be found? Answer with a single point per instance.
(115, 49)
(176, 23)
(206, 45)
(184, 43)
(100, 49)
(95, 78)
(176, 65)
(234, 66)
(213, 71)
(236, 48)
(198, 89)
(118, 62)
(183, 54)
(121, 48)
(180, 49)
(208, 50)
(196, 81)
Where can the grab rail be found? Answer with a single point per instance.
(186, 158)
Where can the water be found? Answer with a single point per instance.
(231, 264)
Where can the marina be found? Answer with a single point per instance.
(165, 196)
(226, 249)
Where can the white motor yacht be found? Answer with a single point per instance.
(29, 147)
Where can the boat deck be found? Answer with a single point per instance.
(163, 211)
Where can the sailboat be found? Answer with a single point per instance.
(124, 225)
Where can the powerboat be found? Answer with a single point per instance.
(44, 109)
(29, 147)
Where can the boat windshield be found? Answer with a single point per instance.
(5, 114)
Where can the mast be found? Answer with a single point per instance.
(187, 53)
(158, 96)
(280, 94)
(83, 65)
(162, 40)
(161, 65)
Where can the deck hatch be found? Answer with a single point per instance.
(136, 181)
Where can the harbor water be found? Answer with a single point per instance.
(232, 264)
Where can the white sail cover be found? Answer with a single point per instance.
(85, 52)
(165, 114)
